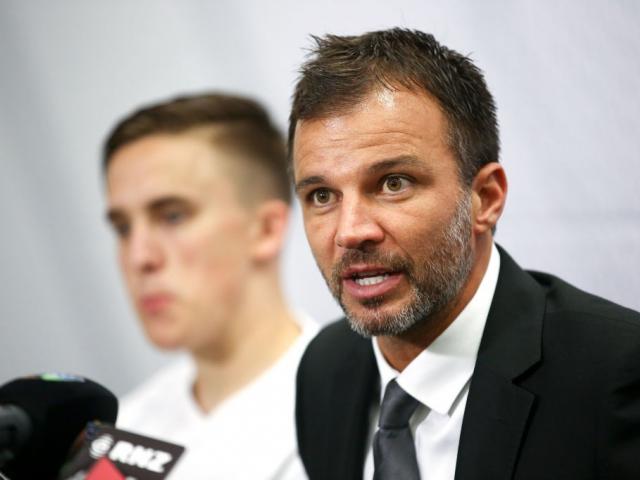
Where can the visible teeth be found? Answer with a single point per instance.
(372, 280)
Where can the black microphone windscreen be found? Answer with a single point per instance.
(59, 406)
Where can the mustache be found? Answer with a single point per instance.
(390, 261)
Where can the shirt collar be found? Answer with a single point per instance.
(437, 376)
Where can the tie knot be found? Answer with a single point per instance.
(397, 407)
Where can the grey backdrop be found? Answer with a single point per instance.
(565, 76)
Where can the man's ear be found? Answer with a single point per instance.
(269, 230)
(489, 193)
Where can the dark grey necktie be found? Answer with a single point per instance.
(394, 453)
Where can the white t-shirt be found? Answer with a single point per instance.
(250, 435)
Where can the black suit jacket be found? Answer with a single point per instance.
(555, 393)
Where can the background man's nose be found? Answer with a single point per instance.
(143, 252)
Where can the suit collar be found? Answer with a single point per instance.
(511, 342)
(497, 408)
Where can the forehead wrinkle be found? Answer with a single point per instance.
(370, 137)
(393, 146)
(333, 161)
(399, 161)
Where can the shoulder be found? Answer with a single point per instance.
(163, 388)
(537, 317)
(569, 307)
(337, 359)
(336, 382)
(586, 336)
(562, 305)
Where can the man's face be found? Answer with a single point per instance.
(182, 235)
(386, 216)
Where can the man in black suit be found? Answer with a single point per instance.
(453, 362)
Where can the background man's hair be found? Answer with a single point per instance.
(238, 124)
(342, 70)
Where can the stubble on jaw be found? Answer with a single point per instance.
(433, 287)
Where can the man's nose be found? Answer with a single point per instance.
(143, 252)
(358, 226)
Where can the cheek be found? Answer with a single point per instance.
(215, 258)
(421, 231)
(320, 235)
(125, 269)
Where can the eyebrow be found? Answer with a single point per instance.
(115, 213)
(378, 167)
(306, 182)
(163, 202)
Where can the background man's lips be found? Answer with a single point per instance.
(155, 302)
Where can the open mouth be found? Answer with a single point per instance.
(366, 279)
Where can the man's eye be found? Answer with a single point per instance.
(395, 184)
(321, 197)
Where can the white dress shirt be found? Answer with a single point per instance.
(439, 378)
(249, 436)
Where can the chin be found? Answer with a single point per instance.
(383, 317)
(164, 338)
(369, 322)
(167, 344)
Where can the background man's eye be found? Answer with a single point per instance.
(174, 216)
(120, 229)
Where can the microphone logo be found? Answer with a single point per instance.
(126, 455)
(101, 446)
(61, 377)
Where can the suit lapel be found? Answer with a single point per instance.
(497, 408)
(353, 392)
(493, 426)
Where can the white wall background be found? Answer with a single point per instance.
(565, 75)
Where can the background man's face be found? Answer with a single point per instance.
(183, 237)
(387, 219)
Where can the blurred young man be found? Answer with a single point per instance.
(453, 362)
(199, 198)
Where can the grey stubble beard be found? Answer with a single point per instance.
(433, 287)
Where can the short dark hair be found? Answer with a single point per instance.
(342, 70)
(240, 124)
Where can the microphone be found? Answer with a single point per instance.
(41, 417)
(109, 453)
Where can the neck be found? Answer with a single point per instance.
(260, 332)
(400, 350)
